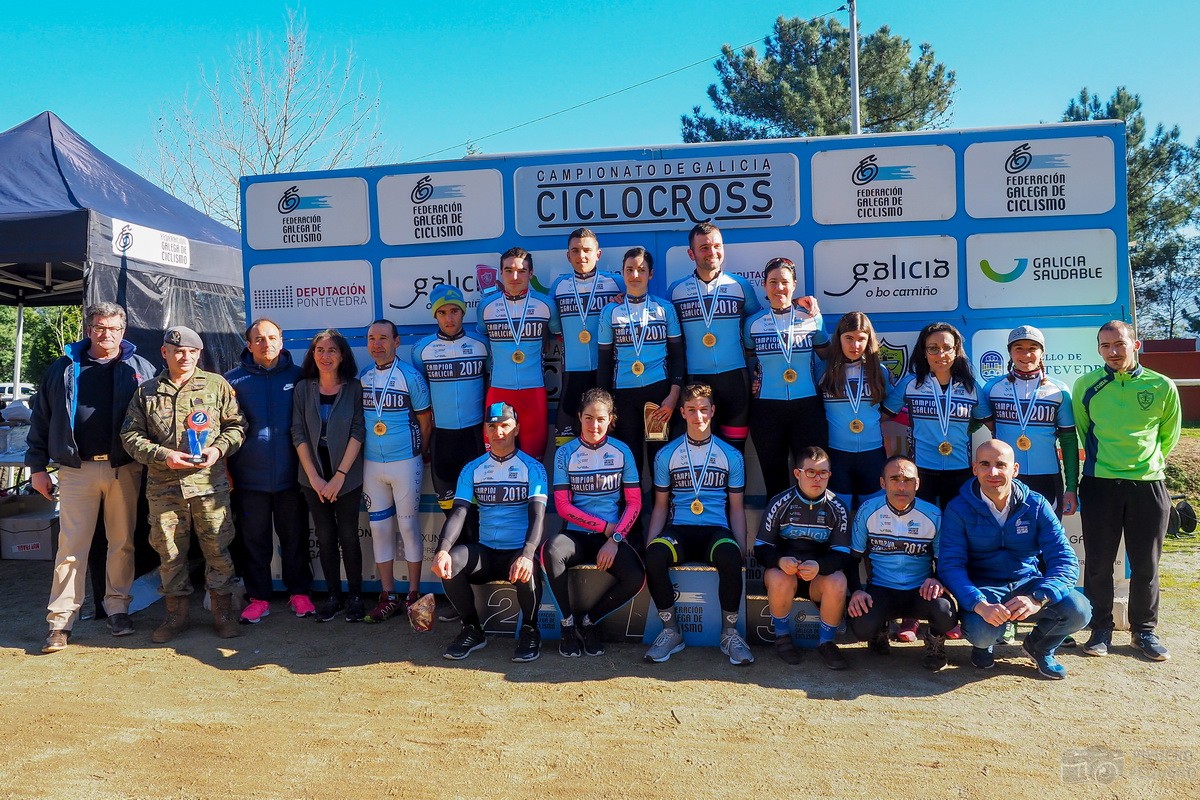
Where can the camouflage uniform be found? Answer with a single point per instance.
(188, 499)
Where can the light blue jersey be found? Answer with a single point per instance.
(717, 467)
(596, 477)
(503, 488)
(840, 411)
(713, 309)
(456, 369)
(498, 318)
(1007, 399)
(392, 398)
(901, 547)
(653, 322)
(568, 294)
(784, 345)
(922, 401)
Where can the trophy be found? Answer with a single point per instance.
(198, 425)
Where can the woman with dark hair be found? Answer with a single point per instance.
(786, 414)
(328, 431)
(941, 395)
(854, 384)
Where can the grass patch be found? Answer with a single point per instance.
(1179, 573)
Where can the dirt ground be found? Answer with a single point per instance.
(297, 709)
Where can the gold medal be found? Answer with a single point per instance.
(638, 368)
(945, 448)
(709, 340)
(856, 426)
(697, 507)
(1023, 442)
(380, 428)
(585, 337)
(518, 357)
(789, 375)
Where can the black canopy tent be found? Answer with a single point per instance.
(76, 228)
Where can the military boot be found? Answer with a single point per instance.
(176, 621)
(224, 620)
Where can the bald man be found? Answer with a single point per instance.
(1005, 558)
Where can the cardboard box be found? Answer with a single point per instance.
(32, 536)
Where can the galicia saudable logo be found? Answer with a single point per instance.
(1020, 159)
(868, 170)
(1004, 277)
(292, 200)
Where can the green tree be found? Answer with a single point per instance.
(801, 86)
(1164, 206)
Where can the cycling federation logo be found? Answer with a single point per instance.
(1004, 277)
(1020, 160)
(124, 239)
(292, 200)
(991, 365)
(868, 170)
(425, 191)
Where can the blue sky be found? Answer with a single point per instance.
(457, 71)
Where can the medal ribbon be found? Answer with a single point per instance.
(638, 341)
(1023, 417)
(687, 451)
(943, 414)
(508, 316)
(377, 395)
(855, 399)
(784, 346)
(583, 309)
(707, 314)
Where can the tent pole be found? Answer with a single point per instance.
(17, 350)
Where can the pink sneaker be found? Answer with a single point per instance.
(907, 632)
(254, 611)
(302, 605)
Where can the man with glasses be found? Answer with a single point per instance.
(803, 546)
(77, 415)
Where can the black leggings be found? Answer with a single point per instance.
(889, 604)
(708, 544)
(474, 564)
(940, 486)
(574, 384)
(567, 548)
(731, 395)
(450, 451)
(336, 524)
(781, 428)
(630, 427)
(856, 475)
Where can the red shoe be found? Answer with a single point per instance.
(955, 632)
(386, 608)
(907, 632)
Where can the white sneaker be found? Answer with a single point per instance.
(736, 648)
(668, 643)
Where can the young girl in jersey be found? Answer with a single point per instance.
(786, 414)
(591, 476)
(941, 396)
(853, 384)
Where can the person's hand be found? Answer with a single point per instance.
(993, 614)
(41, 483)
(211, 454)
(664, 411)
(789, 565)
(860, 603)
(608, 552)
(333, 487)
(178, 460)
(441, 565)
(1022, 607)
(809, 304)
(1070, 503)
(521, 570)
(808, 570)
(932, 589)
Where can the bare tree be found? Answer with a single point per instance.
(273, 109)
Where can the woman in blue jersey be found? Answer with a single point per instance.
(941, 396)
(786, 413)
(328, 431)
(853, 384)
(592, 474)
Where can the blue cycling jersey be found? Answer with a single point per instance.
(1007, 400)
(595, 476)
(923, 402)
(840, 412)
(503, 488)
(784, 342)
(456, 369)
(900, 546)
(516, 360)
(392, 398)
(643, 339)
(714, 466)
(715, 309)
(568, 294)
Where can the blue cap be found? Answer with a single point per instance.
(499, 412)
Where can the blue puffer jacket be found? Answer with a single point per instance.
(52, 426)
(975, 551)
(267, 461)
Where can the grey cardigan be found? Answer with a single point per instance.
(345, 423)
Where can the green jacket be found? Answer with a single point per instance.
(1128, 421)
(157, 423)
